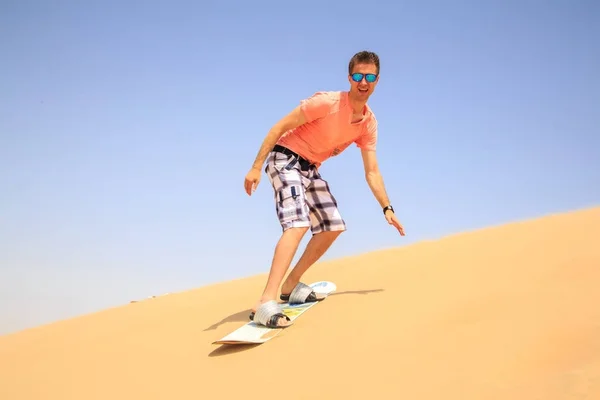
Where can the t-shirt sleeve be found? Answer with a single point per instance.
(368, 140)
(317, 106)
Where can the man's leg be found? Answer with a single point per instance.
(316, 247)
(327, 225)
(284, 253)
(293, 213)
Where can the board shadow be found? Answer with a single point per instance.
(226, 349)
(241, 316)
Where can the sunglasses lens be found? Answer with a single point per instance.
(357, 77)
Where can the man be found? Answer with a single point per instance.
(320, 127)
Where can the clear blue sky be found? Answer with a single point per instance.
(126, 130)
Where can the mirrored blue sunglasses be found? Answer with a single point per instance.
(357, 77)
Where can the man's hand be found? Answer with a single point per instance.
(252, 180)
(393, 220)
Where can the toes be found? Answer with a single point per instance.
(279, 320)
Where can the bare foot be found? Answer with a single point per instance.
(260, 302)
(288, 286)
(282, 322)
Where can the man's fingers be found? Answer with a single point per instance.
(250, 186)
(393, 221)
(401, 229)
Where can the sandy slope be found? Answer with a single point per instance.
(510, 312)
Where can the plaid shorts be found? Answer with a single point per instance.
(302, 196)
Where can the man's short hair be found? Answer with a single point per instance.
(363, 57)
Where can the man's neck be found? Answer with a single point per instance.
(358, 106)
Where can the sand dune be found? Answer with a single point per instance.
(509, 312)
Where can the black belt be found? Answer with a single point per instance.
(304, 163)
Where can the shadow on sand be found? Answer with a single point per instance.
(242, 316)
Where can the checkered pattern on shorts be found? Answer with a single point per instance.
(302, 197)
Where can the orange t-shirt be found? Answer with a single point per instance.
(329, 129)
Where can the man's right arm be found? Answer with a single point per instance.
(294, 119)
(316, 106)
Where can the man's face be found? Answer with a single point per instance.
(365, 87)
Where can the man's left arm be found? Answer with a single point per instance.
(374, 178)
(375, 182)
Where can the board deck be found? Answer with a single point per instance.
(252, 333)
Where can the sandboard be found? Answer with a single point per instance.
(255, 333)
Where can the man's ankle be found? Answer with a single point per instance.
(291, 282)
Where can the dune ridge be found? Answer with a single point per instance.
(507, 312)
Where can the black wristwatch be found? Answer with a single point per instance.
(388, 208)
